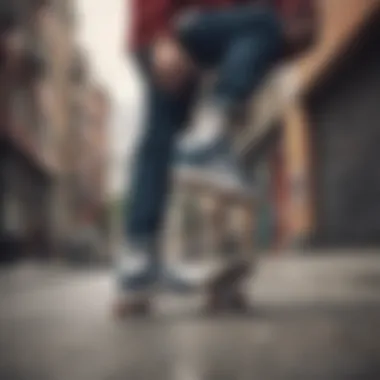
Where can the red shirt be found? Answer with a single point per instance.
(152, 18)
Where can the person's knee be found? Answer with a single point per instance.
(263, 43)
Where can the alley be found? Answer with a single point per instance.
(315, 318)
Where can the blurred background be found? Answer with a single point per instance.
(70, 108)
(65, 125)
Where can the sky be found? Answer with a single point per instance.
(102, 32)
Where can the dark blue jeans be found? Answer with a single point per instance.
(241, 43)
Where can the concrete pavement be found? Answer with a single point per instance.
(316, 318)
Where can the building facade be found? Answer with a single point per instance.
(57, 27)
(88, 161)
(26, 171)
(43, 104)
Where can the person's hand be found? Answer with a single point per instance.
(171, 65)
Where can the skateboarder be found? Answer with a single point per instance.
(174, 42)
